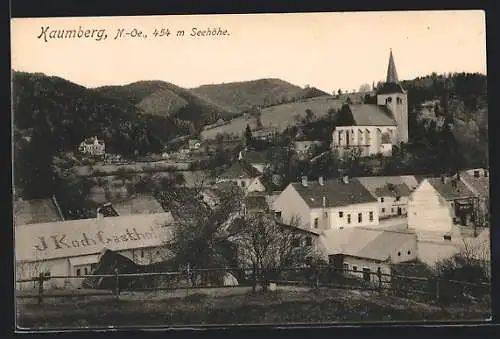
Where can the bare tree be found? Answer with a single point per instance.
(267, 246)
(364, 88)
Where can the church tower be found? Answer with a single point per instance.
(395, 98)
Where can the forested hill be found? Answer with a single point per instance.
(463, 98)
(244, 95)
(64, 113)
(162, 98)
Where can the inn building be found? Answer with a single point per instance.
(73, 248)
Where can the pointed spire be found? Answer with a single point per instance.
(392, 75)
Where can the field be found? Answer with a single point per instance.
(236, 306)
(280, 116)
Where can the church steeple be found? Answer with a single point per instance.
(392, 75)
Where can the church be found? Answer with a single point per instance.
(374, 128)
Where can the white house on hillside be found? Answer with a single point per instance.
(92, 146)
(391, 192)
(324, 205)
(375, 128)
(244, 175)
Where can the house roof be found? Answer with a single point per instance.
(383, 186)
(368, 115)
(35, 211)
(90, 236)
(480, 185)
(336, 193)
(364, 242)
(240, 170)
(138, 204)
(389, 88)
(448, 191)
(255, 157)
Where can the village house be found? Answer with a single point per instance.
(477, 180)
(244, 175)
(256, 159)
(93, 146)
(266, 133)
(137, 204)
(255, 203)
(361, 252)
(73, 247)
(194, 144)
(327, 204)
(374, 128)
(391, 192)
(437, 205)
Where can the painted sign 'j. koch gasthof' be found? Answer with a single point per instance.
(90, 236)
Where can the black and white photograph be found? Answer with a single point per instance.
(248, 169)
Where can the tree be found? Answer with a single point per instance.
(364, 88)
(309, 115)
(339, 92)
(201, 232)
(248, 136)
(267, 246)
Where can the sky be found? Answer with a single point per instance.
(325, 50)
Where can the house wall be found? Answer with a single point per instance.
(291, 205)
(334, 221)
(388, 206)
(63, 267)
(256, 186)
(428, 211)
(372, 265)
(370, 142)
(406, 252)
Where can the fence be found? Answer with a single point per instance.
(427, 288)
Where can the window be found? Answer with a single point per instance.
(78, 272)
(309, 241)
(92, 267)
(341, 214)
(278, 214)
(316, 222)
(242, 184)
(397, 199)
(409, 252)
(383, 210)
(392, 210)
(399, 254)
(381, 199)
(346, 267)
(86, 271)
(348, 218)
(360, 217)
(157, 253)
(142, 253)
(371, 216)
(341, 227)
(355, 268)
(447, 237)
(389, 99)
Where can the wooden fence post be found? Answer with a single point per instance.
(188, 280)
(40, 279)
(379, 275)
(437, 288)
(117, 284)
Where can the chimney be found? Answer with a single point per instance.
(320, 181)
(345, 179)
(304, 181)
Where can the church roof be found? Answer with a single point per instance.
(366, 115)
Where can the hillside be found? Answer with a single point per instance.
(165, 99)
(280, 116)
(242, 96)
